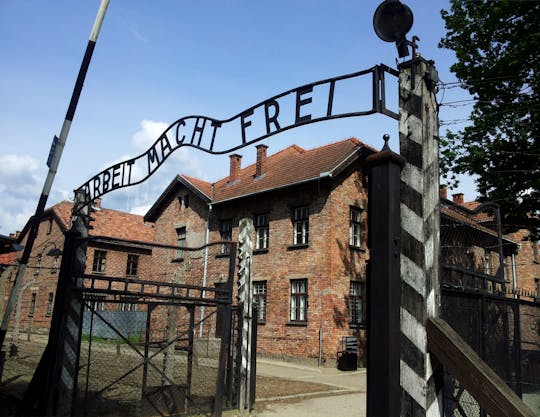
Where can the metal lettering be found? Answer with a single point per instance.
(198, 129)
(245, 123)
(152, 156)
(301, 102)
(181, 123)
(106, 179)
(120, 174)
(330, 98)
(271, 119)
(116, 173)
(165, 147)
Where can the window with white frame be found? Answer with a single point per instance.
(356, 302)
(50, 303)
(132, 265)
(38, 265)
(225, 233)
(180, 241)
(128, 304)
(259, 297)
(56, 261)
(32, 309)
(355, 227)
(100, 260)
(299, 300)
(261, 231)
(301, 226)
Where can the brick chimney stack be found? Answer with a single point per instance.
(443, 191)
(458, 198)
(97, 203)
(236, 161)
(260, 167)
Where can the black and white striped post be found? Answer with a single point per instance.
(420, 294)
(53, 160)
(245, 302)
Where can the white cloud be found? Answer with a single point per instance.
(149, 132)
(140, 210)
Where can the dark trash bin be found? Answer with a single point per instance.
(347, 361)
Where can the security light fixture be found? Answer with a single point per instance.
(54, 252)
(392, 21)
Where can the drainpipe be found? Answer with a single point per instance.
(205, 270)
(514, 276)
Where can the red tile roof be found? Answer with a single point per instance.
(110, 223)
(121, 225)
(290, 166)
(287, 167)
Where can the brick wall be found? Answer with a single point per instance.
(328, 263)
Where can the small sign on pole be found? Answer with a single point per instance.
(51, 152)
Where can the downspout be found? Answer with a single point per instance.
(205, 270)
(514, 276)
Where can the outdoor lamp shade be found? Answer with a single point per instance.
(392, 20)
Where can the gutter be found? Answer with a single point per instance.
(321, 175)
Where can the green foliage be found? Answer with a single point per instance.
(497, 46)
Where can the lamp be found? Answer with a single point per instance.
(392, 21)
(54, 252)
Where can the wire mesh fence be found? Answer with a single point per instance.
(480, 301)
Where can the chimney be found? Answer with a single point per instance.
(236, 161)
(97, 203)
(458, 198)
(443, 191)
(260, 167)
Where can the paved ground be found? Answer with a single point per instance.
(348, 399)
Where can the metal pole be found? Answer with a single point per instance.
(384, 343)
(55, 154)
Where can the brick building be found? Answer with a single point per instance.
(116, 255)
(310, 252)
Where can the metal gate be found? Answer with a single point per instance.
(493, 325)
(154, 348)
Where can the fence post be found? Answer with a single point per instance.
(245, 252)
(384, 286)
(420, 293)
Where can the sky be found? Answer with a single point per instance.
(155, 62)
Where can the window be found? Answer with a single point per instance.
(100, 258)
(537, 287)
(38, 265)
(55, 265)
(261, 231)
(49, 226)
(356, 302)
(132, 265)
(50, 304)
(299, 300)
(98, 302)
(183, 201)
(225, 233)
(301, 226)
(259, 297)
(32, 304)
(128, 304)
(180, 241)
(355, 227)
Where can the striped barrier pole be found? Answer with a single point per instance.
(420, 294)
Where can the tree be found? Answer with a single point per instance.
(497, 46)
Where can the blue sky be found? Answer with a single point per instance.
(158, 61)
